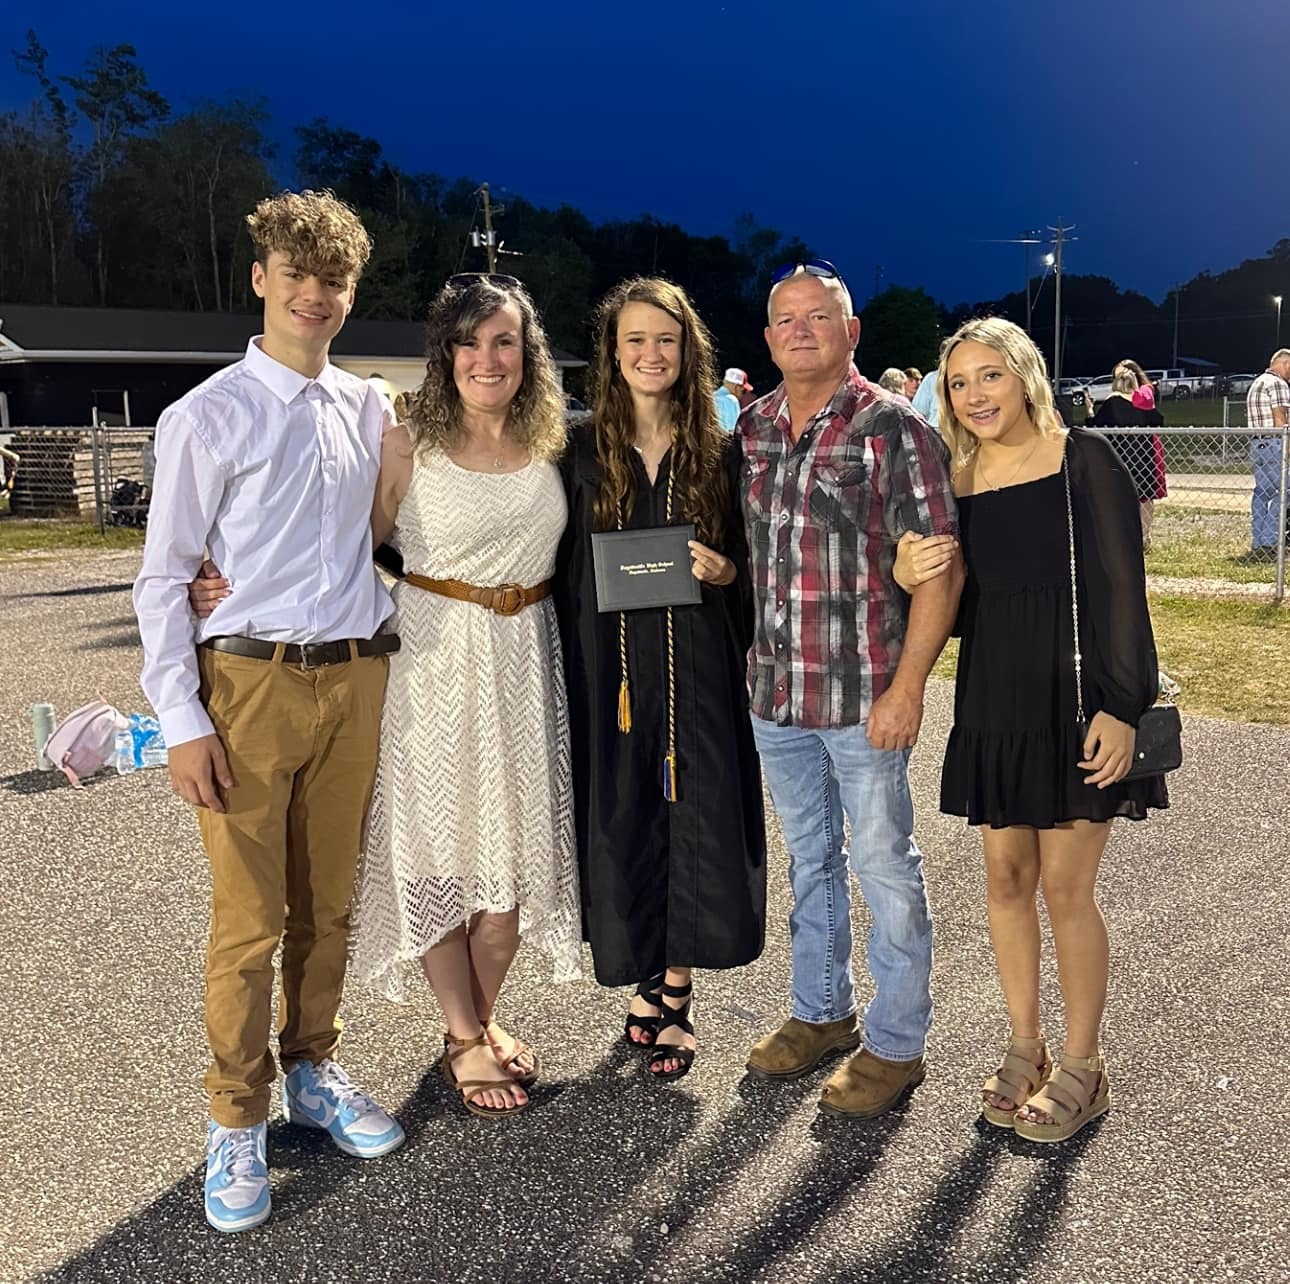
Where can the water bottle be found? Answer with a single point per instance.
(42, 727)
(123, 754)
(152, 752)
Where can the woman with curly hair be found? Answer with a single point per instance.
(469, 842)
(671, 837)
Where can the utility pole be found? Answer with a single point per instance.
(488, 229)
(1027, 239)
(1061, 231)
(1178, 289)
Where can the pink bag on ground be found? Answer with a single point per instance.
(85, 740)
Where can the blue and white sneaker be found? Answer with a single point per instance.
(237, 1177)
(321, 1096)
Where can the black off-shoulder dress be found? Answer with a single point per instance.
(1011, 756)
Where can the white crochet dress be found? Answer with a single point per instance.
(472, 808)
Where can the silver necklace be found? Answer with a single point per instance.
(1015, 472)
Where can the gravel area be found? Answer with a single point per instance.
(609, 1176)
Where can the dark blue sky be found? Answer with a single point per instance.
(899, 133)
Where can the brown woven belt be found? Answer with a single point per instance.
(504, 599)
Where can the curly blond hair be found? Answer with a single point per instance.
(317, 231)
(536, 419)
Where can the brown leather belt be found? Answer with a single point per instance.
(309, 655)
(504, 599)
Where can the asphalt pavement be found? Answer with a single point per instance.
(610, 1176)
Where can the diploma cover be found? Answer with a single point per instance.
(642, 568)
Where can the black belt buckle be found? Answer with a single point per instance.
(317, 655)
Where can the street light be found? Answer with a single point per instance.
(1276, 298)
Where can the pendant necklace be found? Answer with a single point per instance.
(1012, 476)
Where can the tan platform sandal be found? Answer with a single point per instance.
(1067, 1100)
(471, 1088)
(1018, 1078)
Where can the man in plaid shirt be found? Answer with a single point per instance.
(835, 471)
(1267, 408)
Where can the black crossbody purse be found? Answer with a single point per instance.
(1157, 745)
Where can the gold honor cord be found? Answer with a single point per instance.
(624, 690)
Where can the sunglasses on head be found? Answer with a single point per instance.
(464, 279)
(812, 267)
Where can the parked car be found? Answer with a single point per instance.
(1099, 389)
(1179, 385)
(1237, 385)
(1072, 401)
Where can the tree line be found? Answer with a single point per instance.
(109, 198)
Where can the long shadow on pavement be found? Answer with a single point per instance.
(86, 590)
(696, 1179)
(926, 1251)
(465, 1199)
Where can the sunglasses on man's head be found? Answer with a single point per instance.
(464, 279)
(812, 267)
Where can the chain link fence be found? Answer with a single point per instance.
(100, 475)
(1216, 525)
(1213, 533)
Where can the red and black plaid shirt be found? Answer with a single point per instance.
(824, 515)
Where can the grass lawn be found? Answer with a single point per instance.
(1202, 414)
(1232, 658)
(19, 535)
(1202, 543)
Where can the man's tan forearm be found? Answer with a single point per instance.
(933, 606)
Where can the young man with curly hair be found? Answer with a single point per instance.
(271, 705)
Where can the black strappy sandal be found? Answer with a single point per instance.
(650, 990)
(679, 1017)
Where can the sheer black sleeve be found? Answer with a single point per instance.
(739, 593)
(1119, 648)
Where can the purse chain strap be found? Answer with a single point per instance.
(1070, 533)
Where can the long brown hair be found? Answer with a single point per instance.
(537, 414)
(698, 442)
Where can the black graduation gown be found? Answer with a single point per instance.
(678, 884)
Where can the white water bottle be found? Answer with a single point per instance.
(123, 755)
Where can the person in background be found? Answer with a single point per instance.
(1042, 788)
(729, 397)
(925, 400)
(1267, 407)
(1139, 452)
(8, 469)
(893, 380)
(913, 377)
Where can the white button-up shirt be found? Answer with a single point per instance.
(274, 474)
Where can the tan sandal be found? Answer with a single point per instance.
(525, 1075)
(471, 1088)
(1067, 1101)
(1018, 1078)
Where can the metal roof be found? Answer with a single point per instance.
(51, 333)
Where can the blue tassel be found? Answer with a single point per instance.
(669, 777)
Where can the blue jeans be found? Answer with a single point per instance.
(815, 776)
(1265, 508)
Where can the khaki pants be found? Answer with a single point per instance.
(301, 747)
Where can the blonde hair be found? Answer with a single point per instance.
(892, 379)
(536, 418)
(1021, 357)
(1124, 380)
(317, 231)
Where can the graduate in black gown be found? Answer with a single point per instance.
(667, 785)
